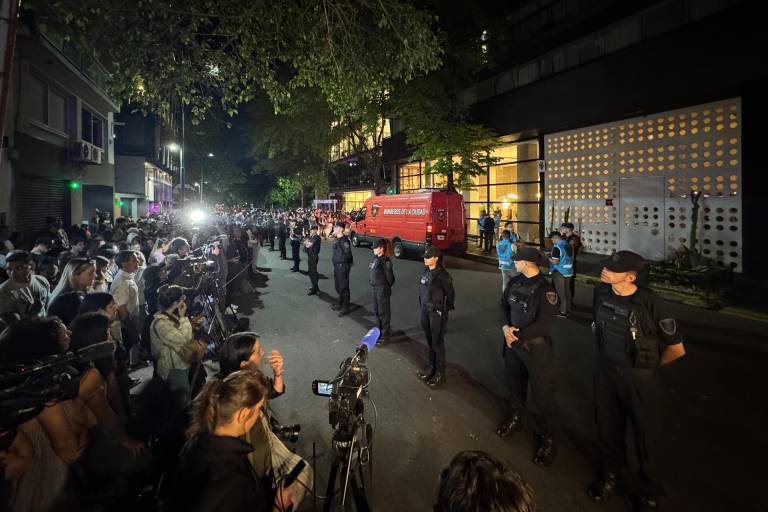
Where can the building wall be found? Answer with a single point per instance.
(627, 185)
(44, 121)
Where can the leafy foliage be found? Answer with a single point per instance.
(285, 192)
(295, 141)
(223, 52)
(455, 148)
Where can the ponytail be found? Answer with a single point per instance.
(220, 399)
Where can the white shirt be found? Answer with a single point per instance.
(126, 292)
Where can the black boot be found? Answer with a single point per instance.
(510, 427)
(602, 489)
(437, 379)
(546, 452)
(426, 373)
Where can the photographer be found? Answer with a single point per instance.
(214, 473)
(173, 345)
(270, 458)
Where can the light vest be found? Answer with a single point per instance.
(565, 264)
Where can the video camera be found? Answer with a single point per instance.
(26, 387)
(352, 436)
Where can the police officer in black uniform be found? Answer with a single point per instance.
(297, 232)
(312, 246)
(271, 232)
(381, 278)
(634, 339)
(342, 264)
(436, 298)
(282, 236)
(528, 307)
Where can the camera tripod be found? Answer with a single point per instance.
(350, 456)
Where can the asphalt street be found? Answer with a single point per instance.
(715, 413)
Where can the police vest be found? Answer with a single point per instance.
(519, 297)
(565, 263)
(626, 335)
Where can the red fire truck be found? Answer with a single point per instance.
(413, 221)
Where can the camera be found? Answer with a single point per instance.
(288, 433)
(352, 436)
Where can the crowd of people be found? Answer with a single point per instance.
(156, 289)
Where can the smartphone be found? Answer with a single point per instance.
(322, 388)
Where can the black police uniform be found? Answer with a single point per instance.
(296, 233)
(631, 333)
(381, 279)
(530, 305)
(313, 254)
(342, 263)
(271, 233)
(436, 298)
(282, 236)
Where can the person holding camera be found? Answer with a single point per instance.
(528, 307)
(342, 264)
(436, 297)
(312, 246)
(214, 473)
(634, 339)
(173, 345)
(270, 458)
(381, 279)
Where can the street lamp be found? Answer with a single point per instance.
(174, 147)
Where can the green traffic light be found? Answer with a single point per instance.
(74, 185)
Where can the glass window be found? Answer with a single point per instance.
(56, 111)
(515, 192)
(92, 128)
(37, 94)
(87, 125)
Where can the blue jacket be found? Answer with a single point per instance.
(504, 251)
(565, 263)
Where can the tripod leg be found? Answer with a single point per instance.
(358, 492)
(328, 506)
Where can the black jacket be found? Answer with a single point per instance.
(313, 251)
(342, 251)
(436, 289)
(529, 304)
(381, 275)
(214, 475)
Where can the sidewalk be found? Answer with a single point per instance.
(745, 300)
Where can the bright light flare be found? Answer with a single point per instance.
(197, 216)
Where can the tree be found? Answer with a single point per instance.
(223, 53)
(363, 129)
(436, 125)
(285, 192)
(295, 141)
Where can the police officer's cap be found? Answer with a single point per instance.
(432, 252)
(625, 261)
(531, 254)
(341, 224)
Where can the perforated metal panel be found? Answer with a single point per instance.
(600, 172)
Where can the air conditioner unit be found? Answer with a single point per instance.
(86, 152)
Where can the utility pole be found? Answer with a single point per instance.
(181, 159)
